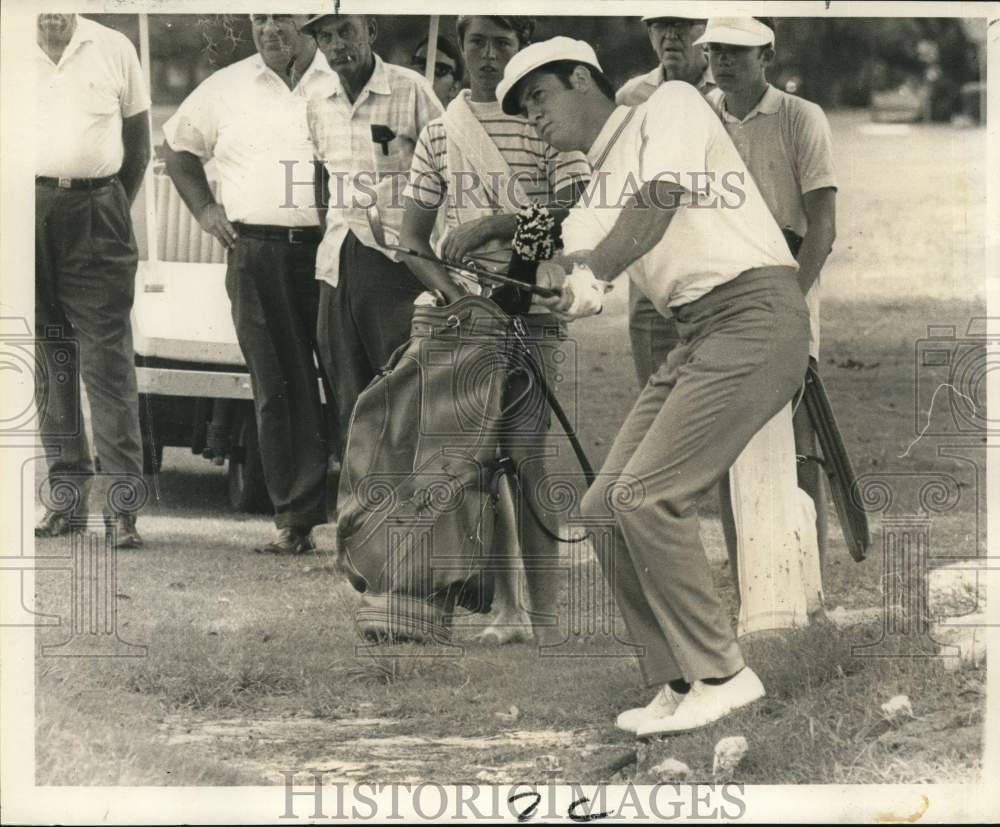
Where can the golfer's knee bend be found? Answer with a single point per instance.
(626, 499)
(613, 498)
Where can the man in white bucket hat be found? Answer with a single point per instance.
(674, 42)
(698, 240)
(786, 144)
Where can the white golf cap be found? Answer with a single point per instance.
(536, 55)
(649, 17)
(736, 31)
(310, 24)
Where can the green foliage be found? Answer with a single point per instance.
(835, 62)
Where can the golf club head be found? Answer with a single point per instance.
(375, 225)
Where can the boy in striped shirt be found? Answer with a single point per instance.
(482, 166)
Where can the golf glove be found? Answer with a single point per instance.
(588, 292)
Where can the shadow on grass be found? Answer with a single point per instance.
(185, 491)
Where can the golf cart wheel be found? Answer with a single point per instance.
(247, 490)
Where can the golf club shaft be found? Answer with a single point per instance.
(478, 272)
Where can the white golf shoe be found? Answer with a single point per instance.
(662, 706)
(705, 704)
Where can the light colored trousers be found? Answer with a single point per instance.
(741, 357)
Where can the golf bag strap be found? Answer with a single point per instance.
(588, 472)
(557, 409)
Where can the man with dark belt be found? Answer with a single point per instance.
(698, 240)
(786, 144)
(93, 148)
(250, 118)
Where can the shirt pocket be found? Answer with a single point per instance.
(392, 151)
(100, 97)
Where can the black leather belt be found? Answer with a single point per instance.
(289, 235)
(75, 183)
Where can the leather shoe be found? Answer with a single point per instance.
(290, 540)
(123, 529)
(55, 524)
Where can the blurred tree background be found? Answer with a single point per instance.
(838, 62)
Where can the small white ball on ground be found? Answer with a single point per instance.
(729, 752)
(671, 770)
(897, 707)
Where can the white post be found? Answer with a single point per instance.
(153, 282)
(432, 47)
(779, 572)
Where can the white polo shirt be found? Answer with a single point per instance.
(639, 89)
(786, 144)
(396, 102)
(722, 228)
(82, 101)
(247, 119)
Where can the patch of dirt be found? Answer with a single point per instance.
(356, 749)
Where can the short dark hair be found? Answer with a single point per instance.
(523, 27)
(562, 69)
(445, 45)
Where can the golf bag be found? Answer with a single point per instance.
(423, 461)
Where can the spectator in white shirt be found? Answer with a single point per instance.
(92, 150)
(786, 144)
(250, 118)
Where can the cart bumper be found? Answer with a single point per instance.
(194, 383)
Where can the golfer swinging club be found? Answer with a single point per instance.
(679, 212)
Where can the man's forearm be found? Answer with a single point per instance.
(813, 253)
(321, 186)
(188, 174)
(432, 276)
(415, 233)
(135, 159)
(821, 215)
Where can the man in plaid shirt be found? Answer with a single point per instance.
(364, 133)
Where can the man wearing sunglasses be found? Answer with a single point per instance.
(250, 118)
(449, 68)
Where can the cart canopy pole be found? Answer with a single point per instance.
(432, 47)
(153, 280)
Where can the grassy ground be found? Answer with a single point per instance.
(252, 663)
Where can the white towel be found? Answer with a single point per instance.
(473, 156)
